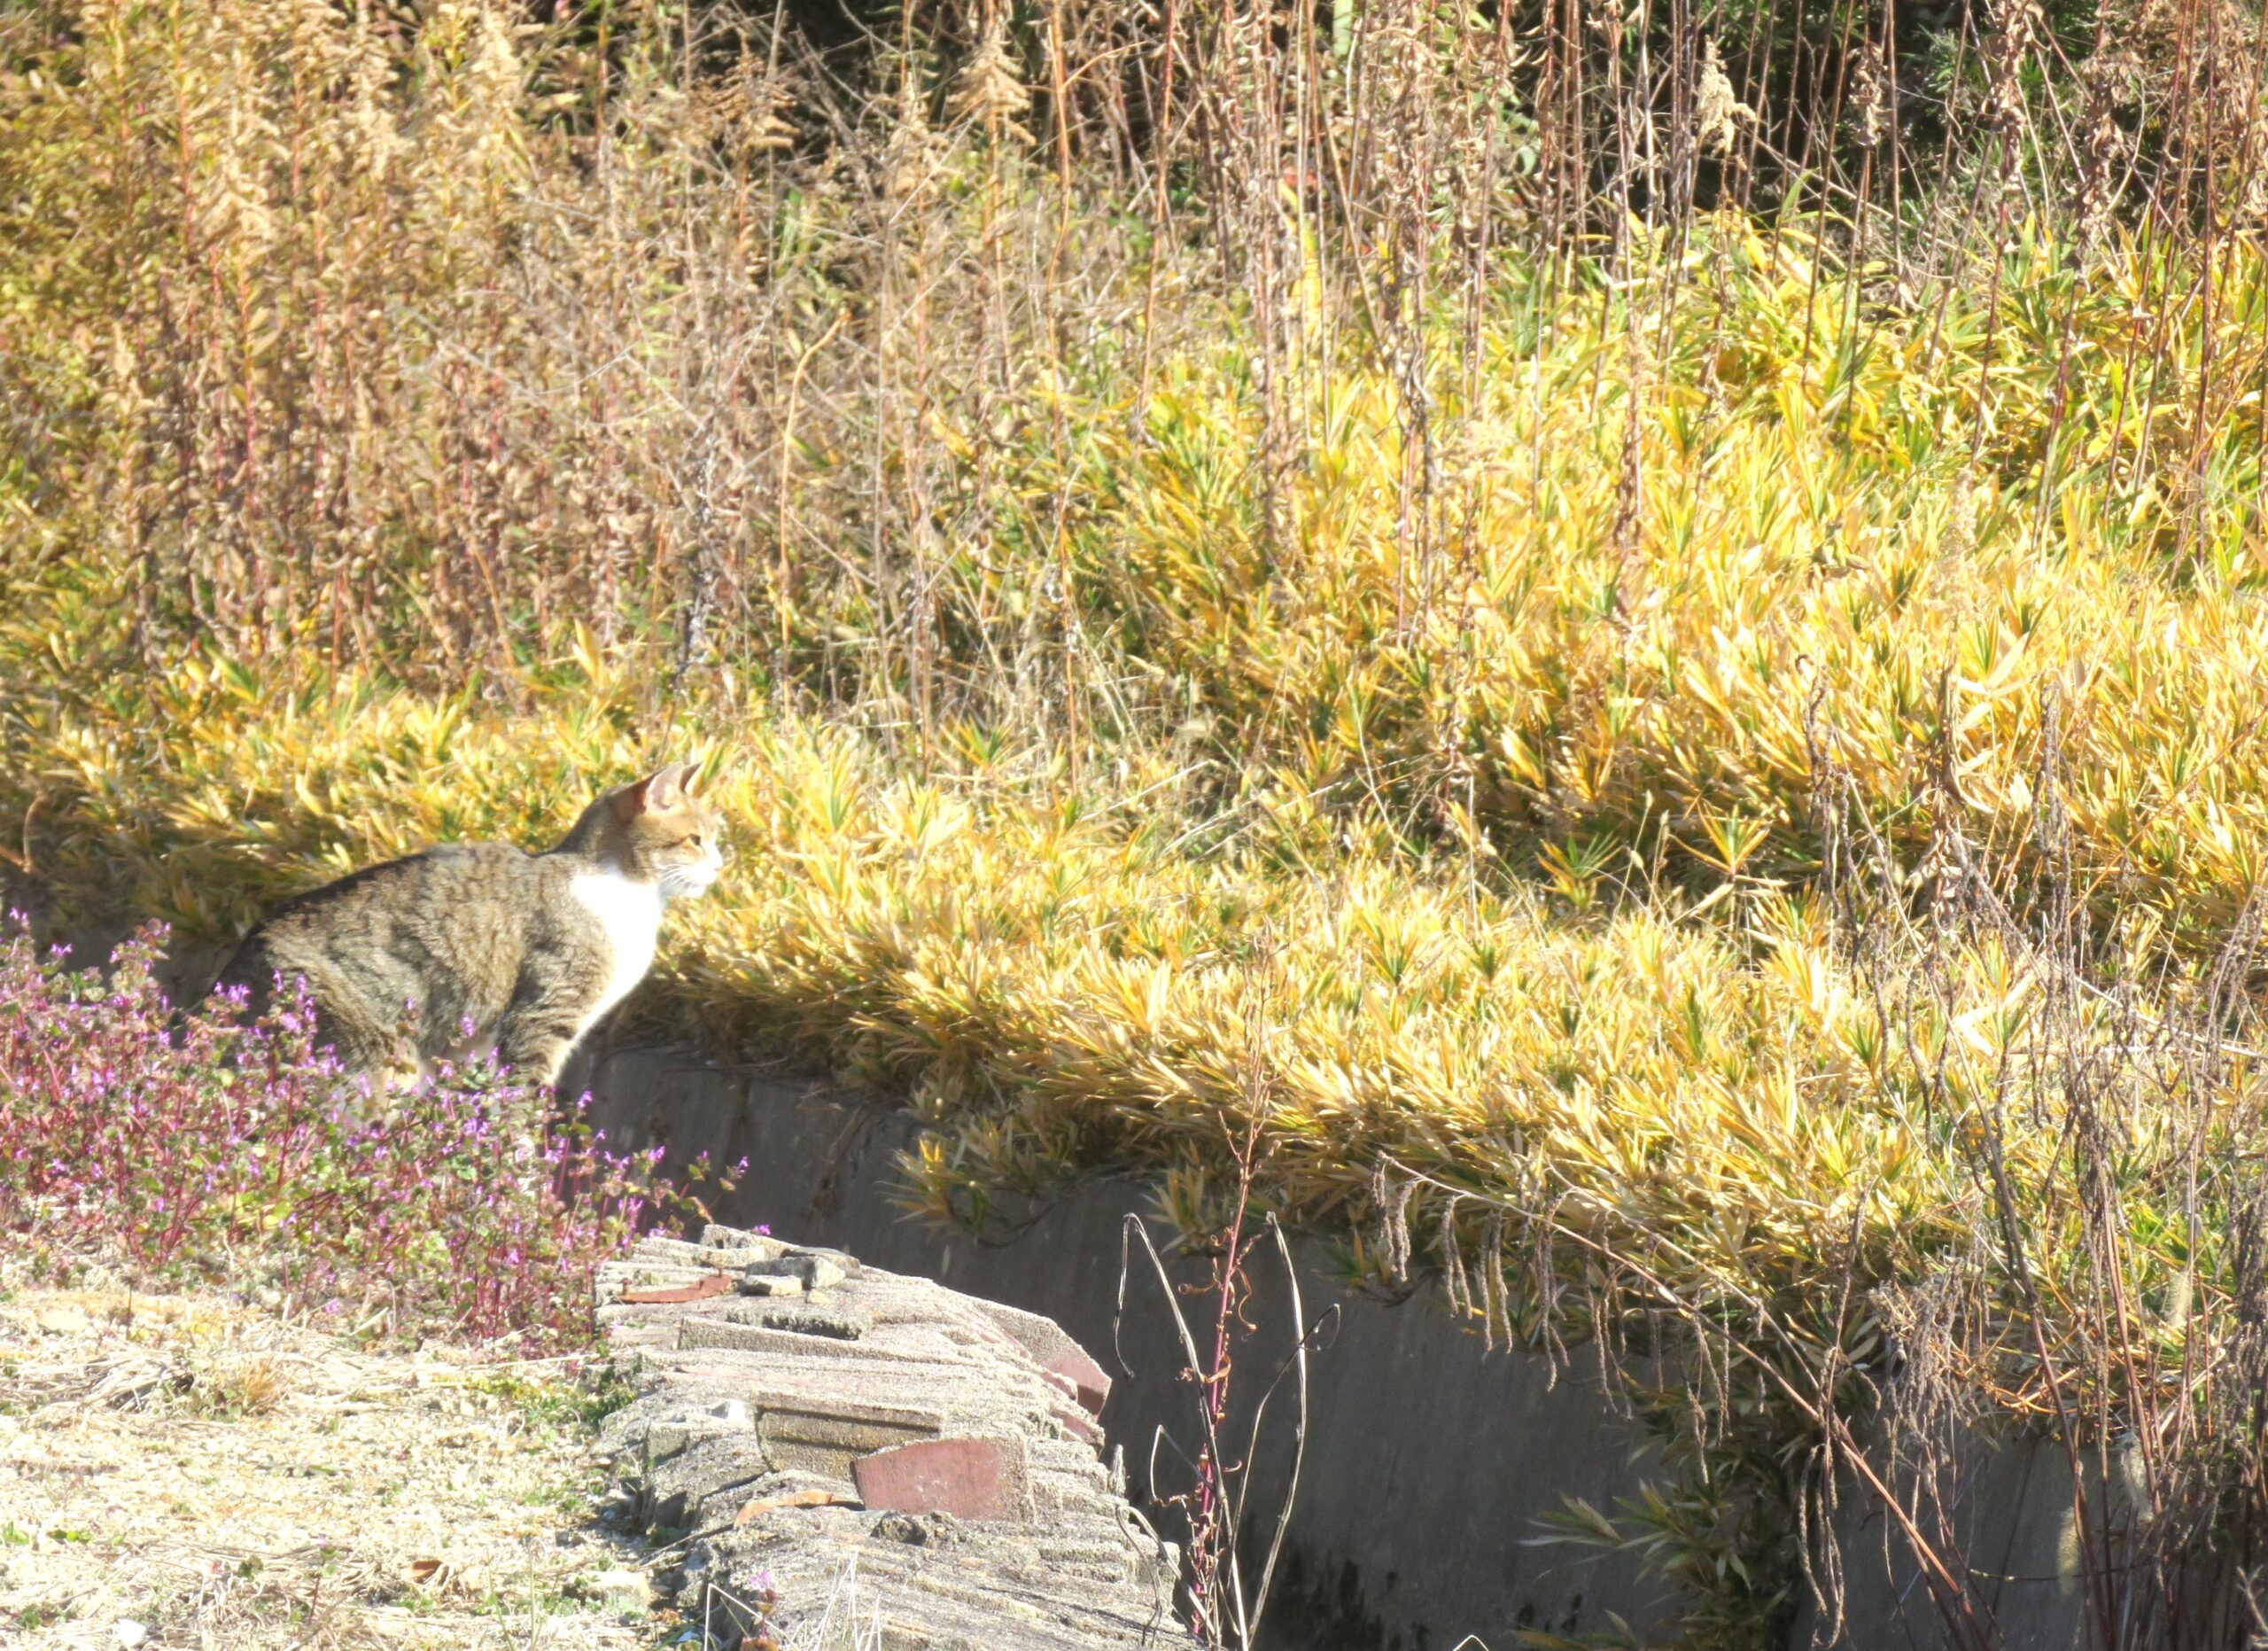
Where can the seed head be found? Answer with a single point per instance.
(1717, 113)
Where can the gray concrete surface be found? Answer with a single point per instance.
(2006, 1504)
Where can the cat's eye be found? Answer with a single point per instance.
(693, 842)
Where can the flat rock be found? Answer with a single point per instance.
(812, 1424)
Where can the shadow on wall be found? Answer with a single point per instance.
(1432, 1464)
(2005, 1520)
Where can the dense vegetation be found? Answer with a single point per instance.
(462, 1209)
(1631, 643)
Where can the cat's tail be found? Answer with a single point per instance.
(242, 991)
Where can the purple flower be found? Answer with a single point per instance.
(262, 1157)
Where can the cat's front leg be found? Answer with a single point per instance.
(550, 1011)
(534, 1046)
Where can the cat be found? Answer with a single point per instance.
(527, 950)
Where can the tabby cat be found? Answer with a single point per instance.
(525, 950)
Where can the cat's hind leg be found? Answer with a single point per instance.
(363, 1037)
(358, 1036)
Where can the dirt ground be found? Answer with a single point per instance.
(192, 1470)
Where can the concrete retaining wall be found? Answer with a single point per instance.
(2008, 1503)
(1433, 1469)
(1432, 1464)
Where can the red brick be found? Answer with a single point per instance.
(967, 1478)
(700, 1289)
(1087, 1379)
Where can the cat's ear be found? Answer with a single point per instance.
(664, 788)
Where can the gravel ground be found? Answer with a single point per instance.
(191, 1470)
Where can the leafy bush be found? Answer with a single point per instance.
(463, 1206)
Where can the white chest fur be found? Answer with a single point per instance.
(630, 914)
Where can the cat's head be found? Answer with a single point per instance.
(658, 830)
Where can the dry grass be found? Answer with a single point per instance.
(228, 1478)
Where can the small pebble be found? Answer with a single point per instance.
(625, 1593)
